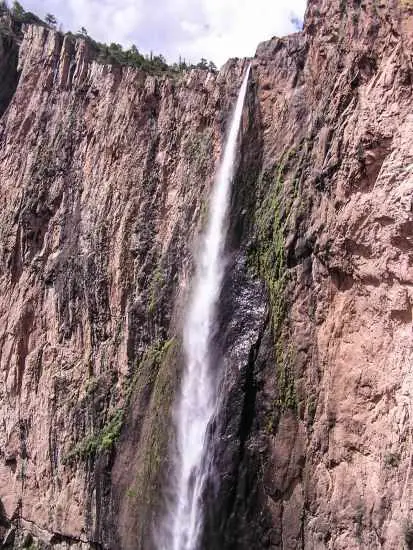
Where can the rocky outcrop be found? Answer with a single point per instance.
(105, 175)
(333, 230)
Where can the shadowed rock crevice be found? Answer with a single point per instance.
(9, 52)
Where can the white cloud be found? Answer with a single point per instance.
(235, 27)
(214, 29)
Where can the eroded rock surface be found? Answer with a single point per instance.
(105, 173)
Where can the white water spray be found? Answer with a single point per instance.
(198, 399)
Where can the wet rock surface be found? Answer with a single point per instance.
(105, 173)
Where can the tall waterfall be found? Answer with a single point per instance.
(199, 392)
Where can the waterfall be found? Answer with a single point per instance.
(199, 392)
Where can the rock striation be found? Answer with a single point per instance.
(105, 174)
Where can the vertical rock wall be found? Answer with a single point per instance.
(105, 174)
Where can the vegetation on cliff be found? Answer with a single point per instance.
(12, 19)
(268, 258)
(19, 15)
(102, 441)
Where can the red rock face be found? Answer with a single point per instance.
(105, 173)
(344, 90)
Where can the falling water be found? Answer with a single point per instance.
(198, 398)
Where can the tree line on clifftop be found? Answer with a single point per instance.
(105, 53)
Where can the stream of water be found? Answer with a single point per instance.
(199, 392)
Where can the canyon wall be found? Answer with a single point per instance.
(105, 174)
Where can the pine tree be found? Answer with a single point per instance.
(18, 11)
(51, 20)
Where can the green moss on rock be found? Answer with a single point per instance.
(268, 259)
(102, 441)
(153, 387)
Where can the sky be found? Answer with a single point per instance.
(213, 29)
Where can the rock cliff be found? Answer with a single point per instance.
(105, 173)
